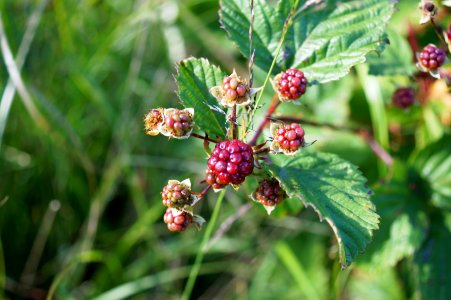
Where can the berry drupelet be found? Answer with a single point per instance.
(291, 84)
(178, 123)
(403, 97)
(432, 57)
(269, 193)
(177, 222)
(176, 194)
(290, 137)
(230, 162)
(233, 89)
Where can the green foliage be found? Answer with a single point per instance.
(337, 192)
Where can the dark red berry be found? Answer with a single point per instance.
(432, 57)
(178, 122)
(269, 193)
(403, 97)
(176, 194)
(289, 137)
(292, 84)
(230, 162)
(177, 222)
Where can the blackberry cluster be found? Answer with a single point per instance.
(269, 193)
(432, 57)
(176, 194)
(178, 122)
(179, 222)
(290, 137)
(403, 97)
(230, 162)
(292, 84)
(233, 89)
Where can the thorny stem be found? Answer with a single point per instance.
(201, 194)
(203, 137)
(272, 107)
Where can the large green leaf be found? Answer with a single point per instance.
(433, 165)
(194, 78)
(336, 190)
(324, 41)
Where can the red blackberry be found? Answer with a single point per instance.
(269, 193)
(178, 123)
(177, 222)
(403, 97)
(230, 162)
(153, 120)
(432, 57)
(233, 88)
(289, 138)
(176, 194)
(291, 84)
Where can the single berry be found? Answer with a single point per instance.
(432, 57)
(233, 88)
(177, 222)
(269, 193)
(176, 194)
(230, 162)
(152, 121)
(289, 137)
(403, 97)
(291, 84)
(178, 122)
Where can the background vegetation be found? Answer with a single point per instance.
(80, 182)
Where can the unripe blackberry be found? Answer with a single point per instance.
(177, 194)
(403, 97)
(178, 123)
(152, 121)
(269, 193)
(177, 222)
(233, 91)
(291, 84)
(432, 57)
(230, 162)
(288, 138)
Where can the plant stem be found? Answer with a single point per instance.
(272, 107)
(232, 122)
(438, 32)
(202, 137)
(201, 251)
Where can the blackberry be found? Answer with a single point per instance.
(432, 57)
(233, 89)
(289, 138)
(291, 84)
(230, 162)
(403, 97)
(269, 193)
(177, 222)
(178, 123)
(176, 194)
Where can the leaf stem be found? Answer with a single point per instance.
(274, 104)
(201, 251)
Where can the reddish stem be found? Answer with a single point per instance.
(203, 137)
(271, 109)
(201, 194)
(232, 122)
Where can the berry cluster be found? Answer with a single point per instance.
(289, 138)
(432, 57)
(152, 121)
(176, 194)
(403, 97)
(269, 193)
(291, 84)
(233, 89)
(230, 162)
(177, 222)
(178, 123)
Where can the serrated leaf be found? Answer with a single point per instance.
(397, 58)
(195, 77)
(336, 190)
(325, 41)
(432, 263)
(433, 165)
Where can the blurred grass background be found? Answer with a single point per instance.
(80, 183)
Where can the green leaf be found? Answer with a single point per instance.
(195, 77)
(324, 42)
(433, 165)
(397, 58)
(337, 191)
(433, 261)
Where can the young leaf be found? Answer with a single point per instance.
(195, 77)
(337, 192)
(325, 41)
(433, 165)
